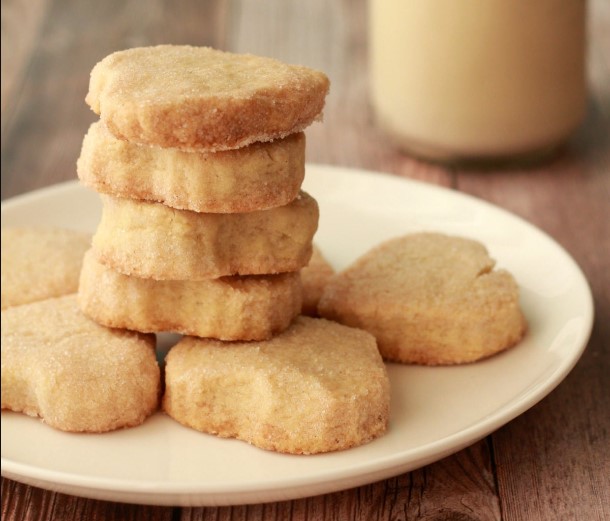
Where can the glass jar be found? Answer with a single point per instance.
(470, 80)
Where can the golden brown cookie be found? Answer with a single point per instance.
(40, 263)
(73, 373)
(256, 177)
(428, 298)
(315, 276)
(202, 98)
(317, 387)
(252, 307)
(151, 240)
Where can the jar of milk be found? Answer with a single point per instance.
(455, 80)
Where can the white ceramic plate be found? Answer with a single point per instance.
(435, 411)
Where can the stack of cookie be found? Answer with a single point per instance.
(199, 157)
(199, 160)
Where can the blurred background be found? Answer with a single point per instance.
(50, 46)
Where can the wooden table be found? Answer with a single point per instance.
(553, 462)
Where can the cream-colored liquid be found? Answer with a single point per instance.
(478, 78)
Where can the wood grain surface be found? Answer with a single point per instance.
(552, 462)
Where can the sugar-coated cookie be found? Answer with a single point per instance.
(428, 298)
(73, 373)
(252, 307)
(151, 240)
(40, 263)
(256, 177)
(315, 276)
(202, 98)
(317, 387)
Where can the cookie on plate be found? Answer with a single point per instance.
(151, 240)
(252, 307)
(317, 387)
(40, 263)
(202, 98)
(256, 177)
(73, 373)
(428, 298)
(315, 276)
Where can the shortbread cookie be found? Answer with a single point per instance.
(315, 276)
(317, 387)
(151, 240)
(429, 299)
(40, 263)
(202, 98)
(256, 177)
(73, 373)
(252, 307)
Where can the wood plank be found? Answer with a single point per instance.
(25, 503)
(556, 465)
